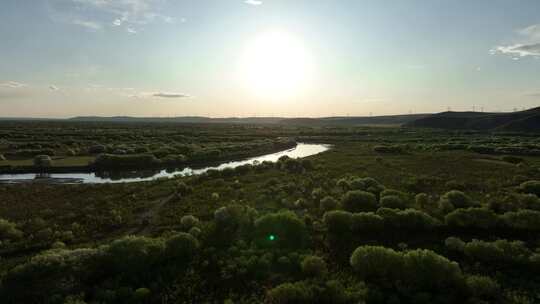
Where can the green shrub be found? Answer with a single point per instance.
(393, 201)
(366, 184)
(498, 252)
(189, 221)
(409, 219)
(329, 203)
(195, 231)
(416, 270)
(422, 200)
(359, 201)
(47, 273)
(338, 221)
(523, 220)
(183, 189)
(483, 287)
(458, 199)
(313, 266)
(282, 229)
(235, 216)
(132, 256)
(366, 222)
(392, 192)
(181, 248)
(290, 293)
(42, 161)
(531, 187)
(426, 270)
(376, 263)
(454, 244)
(474, 218)
(317, 194)
(9, 231)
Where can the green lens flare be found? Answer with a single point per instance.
(271, 237)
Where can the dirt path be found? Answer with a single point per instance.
(150, 216)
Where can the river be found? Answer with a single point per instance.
(300, 151)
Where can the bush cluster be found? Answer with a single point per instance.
(495, 254)
(413, 271)
(131, 261)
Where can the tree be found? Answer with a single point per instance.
(393, 201)
(289, 293)
(42, 161)
(366, 222)
(359, 201)
(338, 221)
(313, 266)
(457, 199)
(377, 263)
(480, 218)
(133, 257)
(483, 287)
(522, 219)
(189, 221)
(282, 229)
(329, 203)
(180, 249)
(9, 231)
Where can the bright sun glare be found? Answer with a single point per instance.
(276, 65)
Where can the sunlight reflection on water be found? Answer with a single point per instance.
(300, 151)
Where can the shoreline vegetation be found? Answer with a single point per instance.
(113, 162)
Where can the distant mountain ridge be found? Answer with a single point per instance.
(323, 121)
(180, 119)
(521, 121)
(355, 120)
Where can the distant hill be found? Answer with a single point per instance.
(181, 119)
(324, 121)
(522, 121)
(351, 121)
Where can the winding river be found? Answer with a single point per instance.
(300, 151)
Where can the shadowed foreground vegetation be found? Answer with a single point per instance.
(388, 215)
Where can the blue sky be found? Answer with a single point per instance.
(61, 58)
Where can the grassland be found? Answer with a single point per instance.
(442, 222)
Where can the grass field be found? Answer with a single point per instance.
(292, 232)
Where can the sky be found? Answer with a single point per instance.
(291, 58)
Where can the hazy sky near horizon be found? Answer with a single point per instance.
(62, 58)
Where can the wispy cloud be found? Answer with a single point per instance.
(253, 2)
(93, 26)
(170, 95)
(528, 45)
(131, 15)
(12, 85)
(132, 93)
(533, 31)
(519, 50)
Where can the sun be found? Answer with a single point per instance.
(275, 65)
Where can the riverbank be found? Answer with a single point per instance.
(159, 165)
(99, 177)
